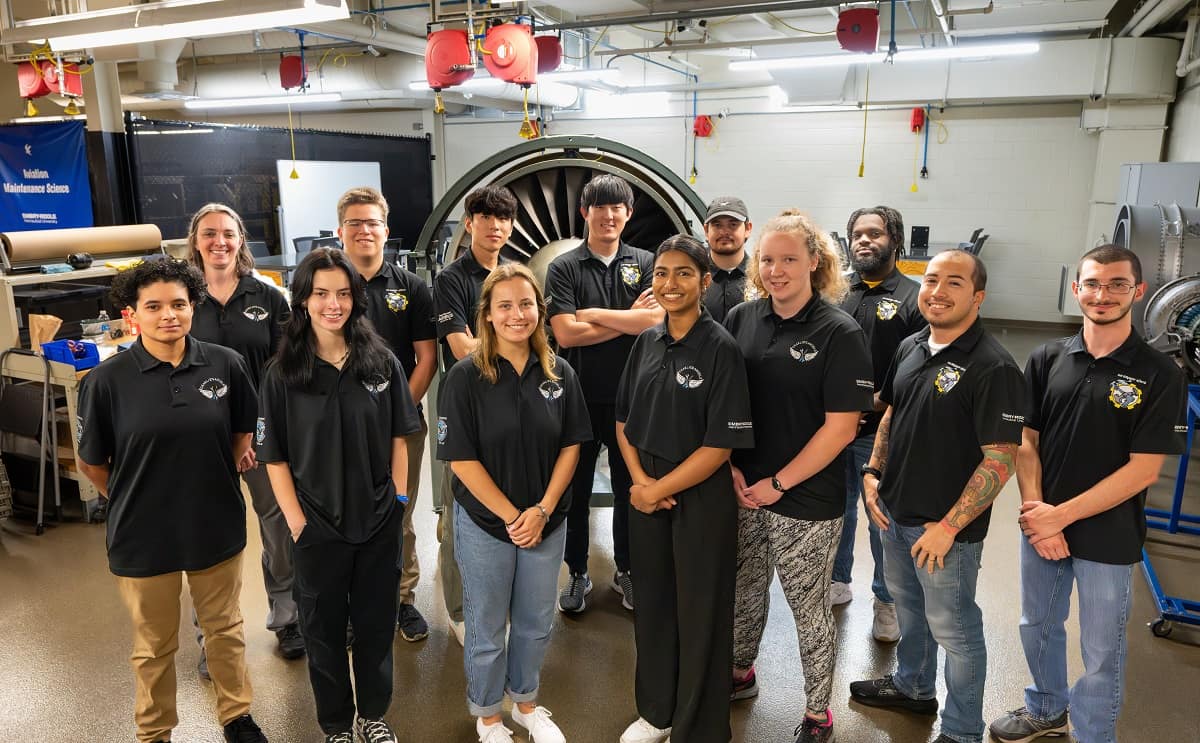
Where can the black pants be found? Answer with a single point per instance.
(683, 618)
(604, 431)
(337, 581)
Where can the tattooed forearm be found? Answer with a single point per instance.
(985, 484)
(879, 454)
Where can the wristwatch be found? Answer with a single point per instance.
(869, 470)
(775, 484)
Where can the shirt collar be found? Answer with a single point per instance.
(889, 283)
(1124, 354)
(694, 338)
(738, 270)
(474, 266)
(583, 252)
(193, 355)
(388, 270)
(803, 315)
(965, 342)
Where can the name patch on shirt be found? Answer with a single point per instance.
(550, 389)
(741, 425)
(1124, 393)
(256, 313)
(213, 388)
(631, 274)
(689, 377)
(397, 300)
(886, 309)
(947, 377)
(803, 351)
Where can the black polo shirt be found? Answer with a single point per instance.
(515, 428)
(888, 314)
(578, 280)
(945, 407)
(456, 296)
(727, 290)
(679, 395)
(251, 322)
(799, 369)
(336, 438)
(1091, 414)
(400, 306)
(175, 502)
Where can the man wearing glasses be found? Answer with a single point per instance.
(1104, 411)
(400, 305)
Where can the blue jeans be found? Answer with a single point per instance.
(856, 455)
(933, 610)
(1104, 596)
(503, 583)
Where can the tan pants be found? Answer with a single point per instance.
(410, 569)
(153, 605)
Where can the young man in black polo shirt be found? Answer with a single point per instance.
(400, 306)
(1105, 410)
(489, 221)
(946, 445)
(727, 228)
(162, 431)
(884, 302)
(600, 300)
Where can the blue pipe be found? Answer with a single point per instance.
(925, 160)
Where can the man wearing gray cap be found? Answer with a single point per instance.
(727, 227)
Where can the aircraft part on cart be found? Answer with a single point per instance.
(547, 176)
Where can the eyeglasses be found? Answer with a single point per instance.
(370, 224)
(1120, 286)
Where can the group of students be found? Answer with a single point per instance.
(747, 402)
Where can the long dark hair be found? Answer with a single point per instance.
(297, 355)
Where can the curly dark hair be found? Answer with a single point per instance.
(892, 221)
(128, 284)
(491, 201)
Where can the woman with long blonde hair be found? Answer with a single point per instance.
(511, 419)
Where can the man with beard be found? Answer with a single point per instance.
(727, 227)
(884, 302)
(1105, 410)
(946, 444)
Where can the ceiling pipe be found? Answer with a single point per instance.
(1160, 14)
(1184, 66)
(1143, 10)
(363, 34)
(728, 9)
(972, 11)
(1040, 28)
(940, 13)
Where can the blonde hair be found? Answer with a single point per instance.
(361, 195)
(485, 354)
(245, 259)
(828, 280)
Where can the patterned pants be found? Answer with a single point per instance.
(802, 552)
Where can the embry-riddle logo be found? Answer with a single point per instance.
(689, 377)
(631, 274)
(946, 378)
(213, 388)
(442, 429)
(260, 431)
(550, 389)
(803, 351)
(1124, 395)
(376, 384)
(397, 300)
(886, 309)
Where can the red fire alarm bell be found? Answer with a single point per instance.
(858, 30)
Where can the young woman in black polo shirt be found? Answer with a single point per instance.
(335, 410)
(682, 406)
(246, 314)
(810, 380)
(512, 417)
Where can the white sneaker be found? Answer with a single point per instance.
(494, 733)
(539, 725)
(885, 628)
(459, 630)
(643, 732)
(839, 593)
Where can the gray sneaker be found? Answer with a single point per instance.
(622, 583)
(572, 598)
(1020, 726)
(202, 666)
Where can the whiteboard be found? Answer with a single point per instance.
(308, 204)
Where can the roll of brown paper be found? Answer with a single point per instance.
(53, 246)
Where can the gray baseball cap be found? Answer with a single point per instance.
(727, 206)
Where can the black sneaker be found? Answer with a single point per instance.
(411, 624)
(746, 688)
(373, 731)
(622, 583)
(346, 737)
(572, 598)
(811, 731)
(244, 730)
(883, 693)
(290, 641)
(1020, 726)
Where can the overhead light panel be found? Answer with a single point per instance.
(962, 51)
(260, 101)
(170, 19)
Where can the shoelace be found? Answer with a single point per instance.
(341, 738)
(497, 734)
(577, 584)
(377, 731)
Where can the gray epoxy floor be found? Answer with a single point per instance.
(64, 642)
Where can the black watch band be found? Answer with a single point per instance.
(775, 484)
(869, 470)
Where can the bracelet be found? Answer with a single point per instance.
(545, 515)
(950, 529)
(510, 523)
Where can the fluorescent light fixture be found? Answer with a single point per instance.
(267, 100)
(964, 51)
(173, 19)
(45, 119)
(483, 83)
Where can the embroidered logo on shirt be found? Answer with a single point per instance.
(689, 377)
(79, 429)
(946, 378)
(1124, 394)
(377, 384)
(1012, 418)
(740, 425)
(631, 274)
(866, 384)
(397, 300)
(442, 429)
(550, 389)
(446, 317)
(213, 388)
(1180, 429)
(260, 431)
(886, 309)
(803, 351)
(256, 313)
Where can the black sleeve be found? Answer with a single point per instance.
(999, 405)
(560, 291)
(420, 309)
(270, 435)
(405, 418)
(1162, 426)
(450, 299)
(647, 263)
(887, 389)
(848, 384)
(94, 434)
(280, 313)
(243, 400)
(1035, 387)
(457, 424)
(576, 423)
(626, 385)
(728, 422)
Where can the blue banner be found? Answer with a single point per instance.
(44, 177)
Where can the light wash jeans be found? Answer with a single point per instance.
(856, 455)
(503, 583)
(1104, 596)
(935, 610)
